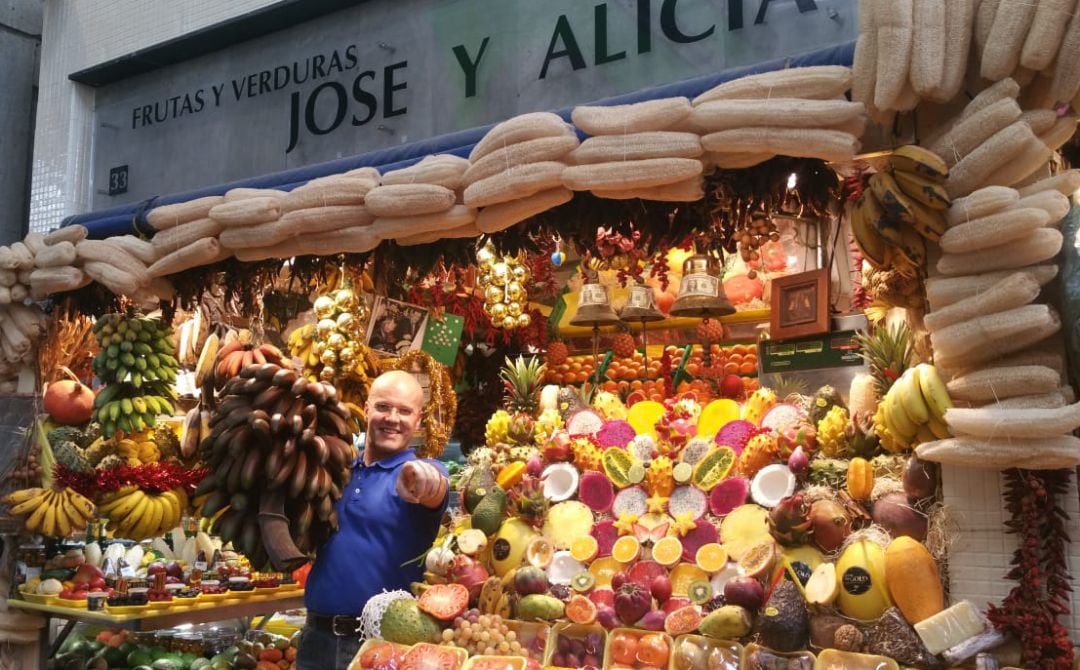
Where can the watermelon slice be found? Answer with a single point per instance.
(781, 415)
(735, 434)
(616, 433)
(596, 491)
(705, 533)
(605, 534)
(631, 500)
(584, 422)
(688, 499)
(644, 572)
(728, 494)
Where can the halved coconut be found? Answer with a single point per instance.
(563, 567)
(726, 574)
(560, 481)
(772, 484)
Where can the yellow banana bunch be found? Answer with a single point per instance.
(139, 515)
(55, 513)
(913, 410)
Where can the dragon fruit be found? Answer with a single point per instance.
(596, 491)
(521, 428)
(728, 494)
(797, 433)
(615, 434)
(702, 534)
(789, 522)
(632, 601)
(735, 434)
(605, 534)
(632, 501)
(688, 499)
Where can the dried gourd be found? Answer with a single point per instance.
(961, 337)
(502, 215)
(992, 384)
(1041, 245)
(1048, 453)
(993, 230)
(1001, 422)
(819, 82)
(169, 216)
(638, 117)
(1015, 290)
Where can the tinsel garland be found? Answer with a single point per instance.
(441, 409)
(155, 478)
(1032, 610)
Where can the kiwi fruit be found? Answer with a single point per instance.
(699, 592)
(582, 582)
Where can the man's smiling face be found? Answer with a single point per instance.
(394, 410)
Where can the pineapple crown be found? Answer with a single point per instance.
(521, 380)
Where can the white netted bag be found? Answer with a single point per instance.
(373, 612)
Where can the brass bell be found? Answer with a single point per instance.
(641, 306)
(701, 293)
(594, 308)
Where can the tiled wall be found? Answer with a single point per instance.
(78, 35)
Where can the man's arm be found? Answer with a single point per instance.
(422, 483)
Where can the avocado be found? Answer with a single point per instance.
(488, 514)
(245, 661)
(784, 623)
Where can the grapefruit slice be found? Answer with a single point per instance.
(645, 572)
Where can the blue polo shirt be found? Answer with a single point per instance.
(377, 532)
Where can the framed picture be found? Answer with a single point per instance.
(800, 305)
(395, 327)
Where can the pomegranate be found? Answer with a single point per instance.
(69, 402)
(468, 573)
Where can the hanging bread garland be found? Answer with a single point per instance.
(441, 407)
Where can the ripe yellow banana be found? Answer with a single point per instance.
(934, 391)
(921, 161)
(911, 397)
(125, 505)
(938, 428)
(863, 215)
(172, 508)
(61, 525)
(37, 517)
(30, 504)
(897, 419)
(897, 206)
(923, 189)
(913, 247)
(48, 523)
(22, 495)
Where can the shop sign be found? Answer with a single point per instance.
(388, 72)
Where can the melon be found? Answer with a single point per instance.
(632, 501)
(596, 491)
(860, 570)
(616, 434)
(687, 499)
(735, 434)
(584, 422)
(560, 481)
(772, 484)
(508, 545)
(781, 415)
(605, 534)
(728, 494)
(704, 533)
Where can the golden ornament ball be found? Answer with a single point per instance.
(515, 291)
(346, 299)
(347, 355)
(324, 327)
(324, 306)
(328, 357)
(513, 308)
(336, 340)
(493, 294)
(500, 271)
(485, 255)
(344, 321)
(520, 272)
(318, 347)
(327, 374)
(484, 279)
(524, 320)
(497, 311)
(509, 322)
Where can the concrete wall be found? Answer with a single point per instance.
(20, 39)
(79, 34)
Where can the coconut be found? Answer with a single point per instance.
(772, 484)
(563, 567)
(560, 481)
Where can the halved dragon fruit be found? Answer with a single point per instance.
(605, 534)
(695, 450)
(584, 422)
(642, 447)
(617, 433)
(735, 434)
(780, 415)
(728, 494)
(705, 533)
(631, 500)
(688, 499)
(596, 491)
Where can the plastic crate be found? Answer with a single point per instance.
(834, 658)
(526, 632)
(717, 654)
(574, 631)
(754, 649)
(638, 633)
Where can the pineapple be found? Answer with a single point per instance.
(167, 442)
(498, 428)
(68, 454)
(521, 380)
(110, 461)
(828, 472)
(609, 406)
(759, 402)
(557, 353)
(520, 453)
(789, 522)
(658, 478)
(832, 434)
(587, 456)
(547, 424)
(622, 345)
(887, 352)
(759, 451)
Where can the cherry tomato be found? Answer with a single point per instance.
(624, 648)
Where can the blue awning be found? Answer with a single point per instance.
(122, 220)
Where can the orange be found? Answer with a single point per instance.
(693, 369)
(626, 549)
(603, 569)
(731, 368)
(735, 358)
(711, 557)
(584, 548)
(683, 575)
(747, 368)
(667, 551)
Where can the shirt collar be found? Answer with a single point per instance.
(388, 463)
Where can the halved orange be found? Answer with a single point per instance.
(603, 569)
(584, 548)
(711, 557)
(667, 551)
(626, 549)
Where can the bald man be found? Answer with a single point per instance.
(388, 515)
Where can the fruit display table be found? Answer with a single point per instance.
(156, 619)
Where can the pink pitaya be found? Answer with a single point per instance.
(797, 433)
